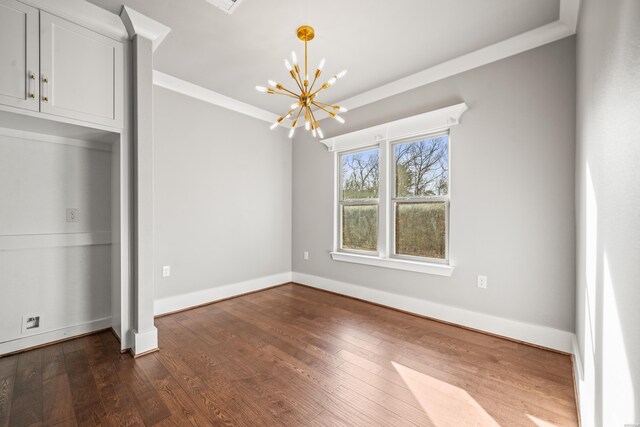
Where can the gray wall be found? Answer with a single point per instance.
(222, 196)
(65, 285)
(608, 211)
(512, 186)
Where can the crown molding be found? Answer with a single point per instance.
(86, 14)
(569, 13)
(504, 49)
(141, 25)
(565, 26)
(189, 89)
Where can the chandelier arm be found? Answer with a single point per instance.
(301, 81)
(314, 122)
(295, 78)
(323, 87)
(324, 104)
(298, 116)
(331, 113)
(288, 114)
(315, 79)
(313, 116)
(305, 109)
(286, 94)
(287, 90)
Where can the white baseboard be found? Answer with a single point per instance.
(527, 332)
(543, 336)
(144, 342)
(181, 302)
(54, 335)
(586, 419)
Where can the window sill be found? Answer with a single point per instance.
(398, 264)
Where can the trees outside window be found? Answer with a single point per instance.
(359, 191)
(420, 199)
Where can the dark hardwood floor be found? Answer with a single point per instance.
(291, 356)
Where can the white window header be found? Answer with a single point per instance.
(432, 121)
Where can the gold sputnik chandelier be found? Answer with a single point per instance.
(306, 99)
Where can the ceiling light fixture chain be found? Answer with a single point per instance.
(306, 99)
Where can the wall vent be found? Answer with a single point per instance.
(228, 6)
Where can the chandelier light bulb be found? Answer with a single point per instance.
(321, 66)
(338, 118)
(272, 83)
(274, 125)
(332, 80)
(307, 125)
(295, 105)
(341, 74)
(286, 64)
(261, 89)
(313, 132)
(294, 58)
(342, 109)
(320, 133)
(291, 132)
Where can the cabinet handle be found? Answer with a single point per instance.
(32, 79)
(45, 89)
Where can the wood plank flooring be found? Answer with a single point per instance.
(291, 356)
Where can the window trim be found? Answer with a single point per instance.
(383, 136)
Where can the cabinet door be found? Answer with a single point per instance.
(81, 72)
(19, 66)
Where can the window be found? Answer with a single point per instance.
(359, 192)
(417, 202)
(420, 197)
(392, 193)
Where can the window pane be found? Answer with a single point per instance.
(421, 229)
(422, 167)
(360, 227)
(360, 175)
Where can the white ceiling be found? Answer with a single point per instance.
(378, 42)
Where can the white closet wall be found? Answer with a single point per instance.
(51, 266)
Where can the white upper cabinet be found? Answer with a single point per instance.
(81, 72)
(19, 68)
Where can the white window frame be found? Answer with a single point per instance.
(384, 137)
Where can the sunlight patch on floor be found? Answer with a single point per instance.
(445, 404)
(540, 423)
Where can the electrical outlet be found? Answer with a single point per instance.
(166, 271)
(73, 215)
(482, 282)
(30, 323)
(305, 255)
